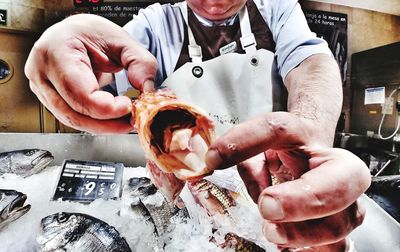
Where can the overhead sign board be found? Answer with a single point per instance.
(3, 17)
(87, 3)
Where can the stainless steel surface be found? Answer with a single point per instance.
(112, 148)
(379, 232)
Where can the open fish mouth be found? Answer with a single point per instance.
(40, 162)
(175, 135)
(15, 209)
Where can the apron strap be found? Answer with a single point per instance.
(247, 40)
(195, 53)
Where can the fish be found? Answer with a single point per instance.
(167, 183)
(239, 244)
(385, 184)
(24, 162)
(148, 201)
(11, 206)
(78, 232)
(173, 134)
(211, 197)
(217, 201)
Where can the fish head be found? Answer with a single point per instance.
(11, 206)
(59, 229)
(141, 186)
(30, 161)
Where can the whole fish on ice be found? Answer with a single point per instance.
(147, 200)
(24, 162)
(75, 232)
(11, 206)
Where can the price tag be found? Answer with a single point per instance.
(3, 17)
(86, 181)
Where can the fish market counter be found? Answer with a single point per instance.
(379, 232)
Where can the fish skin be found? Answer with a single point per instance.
(211, 197)
(149, 201)
(168, 184)
(239, 244)
(11, 206)
(24, 162)
(75, 232)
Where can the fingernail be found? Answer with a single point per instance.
(213, 160)
(274, 234)
(271, 209)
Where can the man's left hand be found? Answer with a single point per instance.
(315, 202)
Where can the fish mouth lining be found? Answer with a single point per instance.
(169, 120)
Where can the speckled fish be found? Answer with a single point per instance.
(173, 134)
(147, 200)
(75, 232)
(11, 206)
(217, 201)
(24, 162)
(239, 244)
(211, 197)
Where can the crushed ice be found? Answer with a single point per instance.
(192, 235)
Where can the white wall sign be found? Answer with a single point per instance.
(374, 95)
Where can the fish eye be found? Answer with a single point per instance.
(29, 152)
(62, 218)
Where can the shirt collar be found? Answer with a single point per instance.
(207, 22)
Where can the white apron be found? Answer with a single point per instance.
(231, 88)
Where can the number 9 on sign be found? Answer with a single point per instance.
(89, 187)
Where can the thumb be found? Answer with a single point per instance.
(140, 64)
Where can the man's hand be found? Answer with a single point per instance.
(67, 62)
(315, 203)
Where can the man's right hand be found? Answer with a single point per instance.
(67, 62)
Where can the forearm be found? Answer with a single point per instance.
(315, 94)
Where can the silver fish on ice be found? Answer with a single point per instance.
(11, 206)
(148, 201)
(75, 232)
(24, 162)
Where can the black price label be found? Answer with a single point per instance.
(86, 181)
(3, 17)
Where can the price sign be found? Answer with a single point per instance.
(86, 181)
(3, 17)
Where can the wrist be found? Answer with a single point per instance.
(320, 133)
